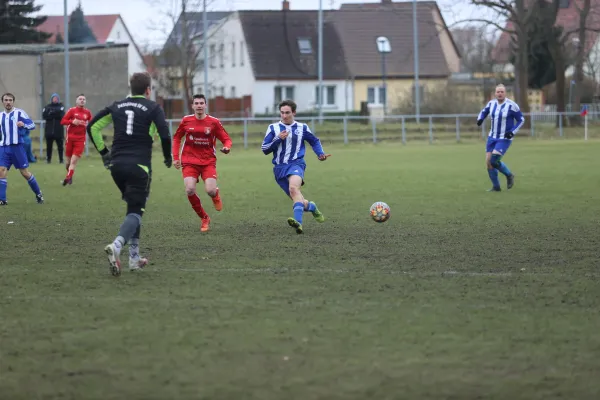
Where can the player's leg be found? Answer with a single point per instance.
(191, 174)
(295, 183)
(209, 176)
(136, 182)
(136, 262)
(500, 150)
(20, 161)
(60, 148)
(5, 165)
(492, 172)
(74, 151)
(49, 142)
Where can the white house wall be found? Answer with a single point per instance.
(264, 101)
(234, 78)
(119, 34)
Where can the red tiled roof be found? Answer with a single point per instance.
(101, 25)
(568, 19)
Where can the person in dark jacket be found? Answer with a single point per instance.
(54, 131)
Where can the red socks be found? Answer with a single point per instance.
(197, 205)
(70, 174)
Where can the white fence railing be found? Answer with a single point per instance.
(402, 128)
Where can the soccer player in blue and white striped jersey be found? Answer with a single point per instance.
(14, 124)
(285, 140)
(506, 120)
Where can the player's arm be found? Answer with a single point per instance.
(271, 141)
(223, 137)
(94, 130)
(483, 113)
(27, 122)
(162, 127)
(67, 119)
(315, 143)
(519, 118)
(176, 147)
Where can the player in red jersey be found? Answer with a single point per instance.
(76, 120)
(198, 158)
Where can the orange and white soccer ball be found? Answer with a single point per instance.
(380, 212)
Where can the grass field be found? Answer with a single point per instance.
(462, 294)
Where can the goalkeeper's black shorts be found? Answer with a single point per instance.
(133, 181)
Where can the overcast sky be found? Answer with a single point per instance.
(142, 15)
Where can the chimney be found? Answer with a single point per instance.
(285, 5)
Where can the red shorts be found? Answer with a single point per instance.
(74, 148)
(199, 171)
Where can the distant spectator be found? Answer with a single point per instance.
(25, 133)
(54, 131)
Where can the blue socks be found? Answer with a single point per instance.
(504, 169)
(34, 185)
(3, 186)
(311, 207)
(298, 211)
(493, 173)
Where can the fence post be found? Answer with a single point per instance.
(374, 125)
(312, 125)
(532, 125)
(245, 133)
(457, 129)
(430, 129)
(345, 130)
(560, 125)
(42, 127)
(483, 129)
(403, 130)
(87, 148)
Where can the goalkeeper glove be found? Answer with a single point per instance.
(479, 122)
(168, 162)
(106, 158)
(509, 135)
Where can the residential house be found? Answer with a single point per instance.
(359, 25)
(109, 28)
(272, 56)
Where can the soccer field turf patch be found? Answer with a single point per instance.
(460, 294)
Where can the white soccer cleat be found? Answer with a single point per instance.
(136, 264)
(113, 259)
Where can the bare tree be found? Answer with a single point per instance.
(475, 48)
(179, 60)
(519, 17)
(585, 14)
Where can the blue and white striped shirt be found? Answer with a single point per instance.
(10, 133)
(292, 148)
(505, 117)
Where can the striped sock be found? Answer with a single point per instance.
(298, 211)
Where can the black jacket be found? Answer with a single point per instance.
(52, 114)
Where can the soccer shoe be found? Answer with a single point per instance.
(317, 214)
(113, 259)
(138, 263)
(205, 224)
(510, 181)
(217, 203)
(295, 224)
(3, 203)
(39, 198)
(494, 189)
(67, 181)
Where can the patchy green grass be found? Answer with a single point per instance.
(462, 294)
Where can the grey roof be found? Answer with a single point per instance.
(272, 43)
(360, 24)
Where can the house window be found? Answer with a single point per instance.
(222, 91)
(213, 55)
(222, 55)
(304, 46)
(242, 53)
(233, 54)
(232, 93)
(283, 93)
(376, 95)
(564, 3)
(329, 95)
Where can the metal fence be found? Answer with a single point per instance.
(250, 132)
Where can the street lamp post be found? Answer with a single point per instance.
(383, 46)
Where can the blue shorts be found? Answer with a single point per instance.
(14, 154)
(283, 171)
(500, 145)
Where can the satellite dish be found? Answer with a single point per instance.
(383, 45)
